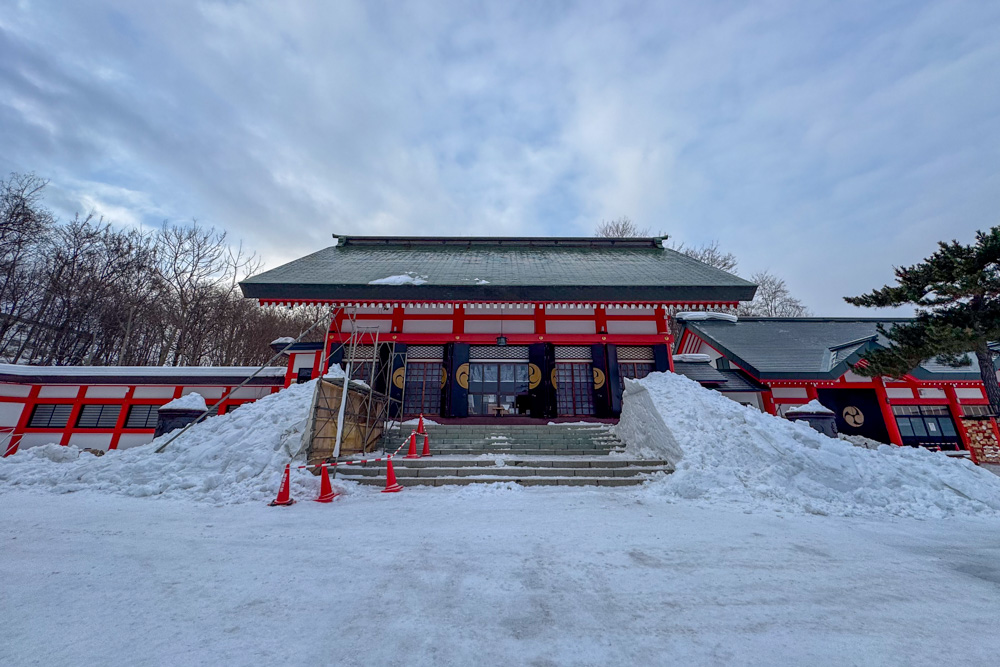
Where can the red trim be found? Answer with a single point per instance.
(523, 339)
(769, 406)
(887, 415)
(457, 320)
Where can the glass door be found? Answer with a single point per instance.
(497, 388)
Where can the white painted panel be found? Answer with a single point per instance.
(427, 326)
(134, 440)
(303, 360)
(789, 392)
(91, 440)
(969, 392)
(384, 326)
(927, 392)
(893, 392)
(153, 392)
(494, 327)
(432, 310)
(14, 389)
(558, 310)
(10, 413)
(631, 327)
(213, 393)
(745, 397)
(630, 312)
(58, 391)
(851, 376)
(102, 391)
(571, 327)
(35, 439)
(250, 392)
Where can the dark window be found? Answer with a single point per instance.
(927, 425)
(575, 390)
(50, 416)
(975, 410)
(142, 416)
(635, 370)
(231, 407)
(422, 394)
(494, 388)
(303, 375)
(98, 416)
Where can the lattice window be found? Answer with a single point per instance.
(422, 394)
(142, 416)
(428, 352)
(48, 415)
(495, 352)
(575, 352)
(98, 416)
(635, 353)
(574, 391)
(635, 370)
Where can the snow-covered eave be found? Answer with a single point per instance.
(132, 374)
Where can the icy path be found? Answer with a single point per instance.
(480, 577)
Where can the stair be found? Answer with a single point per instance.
(530, 455)
(535, 440)
(526, 471)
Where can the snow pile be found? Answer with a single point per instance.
(726, 452)
(236, 457)
(408, 278)
(192, 401)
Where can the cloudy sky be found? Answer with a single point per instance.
(823, 141)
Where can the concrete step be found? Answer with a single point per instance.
(553, 470)
(522, 480)
(565, 439)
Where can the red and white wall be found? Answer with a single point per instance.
(110, 407)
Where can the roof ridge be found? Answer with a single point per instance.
(499, 241)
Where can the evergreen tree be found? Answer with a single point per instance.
(957, 294)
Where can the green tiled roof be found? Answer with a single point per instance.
(543, 269)
(808, 347)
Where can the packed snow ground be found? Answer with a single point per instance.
(487, 576)
(728, 453)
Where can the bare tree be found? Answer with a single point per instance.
(773, 299)
(710, 254)
(619, 228)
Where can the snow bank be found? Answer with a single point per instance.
(231, 458)
(725, 452)
(192, 401)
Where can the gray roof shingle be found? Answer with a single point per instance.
(499, 269)
(808, 347)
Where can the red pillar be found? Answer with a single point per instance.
(74, 414)
(540, 318)
(889, 418)
(956, 415)
(22, 422)
(769, 402)
(122, 419)
(811, 393)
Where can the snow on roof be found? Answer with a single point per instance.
(813, 406)
(140, 371)
(192, 401)
(284, 340)
(408, 278)
(693, 358)
(689, 316)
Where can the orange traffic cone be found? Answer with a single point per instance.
(412, 452)
(391, 485)
(427, 447)
(420, 426)
(284, 491)
(326, 494)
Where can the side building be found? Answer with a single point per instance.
(796, 360)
